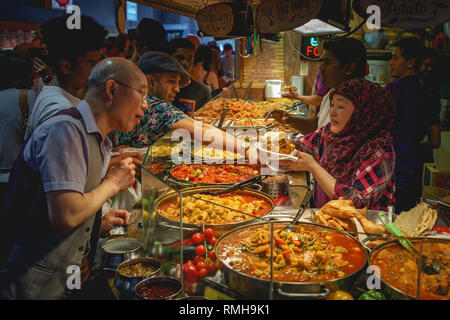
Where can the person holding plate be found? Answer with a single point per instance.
(352, 156)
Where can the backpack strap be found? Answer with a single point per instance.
(23, 102)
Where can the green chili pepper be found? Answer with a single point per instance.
(372, 295)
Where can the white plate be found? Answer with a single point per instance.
(280, 156)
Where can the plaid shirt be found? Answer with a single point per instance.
(372, 184)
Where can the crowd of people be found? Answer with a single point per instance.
(74, 96)
(383, 177)
(71, 98)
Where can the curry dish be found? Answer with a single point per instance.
(226, 173)
(307, 255)
(398, 268)
(198, 211)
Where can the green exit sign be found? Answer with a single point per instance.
(310, 47)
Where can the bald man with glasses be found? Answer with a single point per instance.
(59, 184)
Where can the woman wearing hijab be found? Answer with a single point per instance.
(352, 156)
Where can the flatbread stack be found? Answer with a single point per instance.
(418, 221)
(340, 214)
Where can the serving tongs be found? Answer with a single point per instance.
(303, 206)
(437, 203)
(236, 186)
(248, 90)
(222, 117)
(429, 265)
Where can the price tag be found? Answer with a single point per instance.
(213, 294)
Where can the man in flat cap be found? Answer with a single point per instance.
(165, 76)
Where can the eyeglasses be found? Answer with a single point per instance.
(144, 94)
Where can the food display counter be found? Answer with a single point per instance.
(220, 229)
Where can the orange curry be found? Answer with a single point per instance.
(399, 268)
(307, 255)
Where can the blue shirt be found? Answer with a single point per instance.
(11, 131)
(59, 152)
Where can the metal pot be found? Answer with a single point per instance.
(171, 228)
(390, 290)
(125, 283)
(169, 282)
(118, 250)
(275, 190)
(255, 288)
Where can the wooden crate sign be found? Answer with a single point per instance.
(226, 19)
(284, 15)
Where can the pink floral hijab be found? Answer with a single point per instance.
(368, 130)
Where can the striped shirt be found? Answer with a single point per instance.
(372, 185)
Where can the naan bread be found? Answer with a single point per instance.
(417, 221)
(341, 208)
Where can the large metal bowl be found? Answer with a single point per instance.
(391, 290)
(255, 288)
(172, 228)
(127, 283)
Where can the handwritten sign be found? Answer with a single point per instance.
(284, 15)
(409, 14)
(216, 20)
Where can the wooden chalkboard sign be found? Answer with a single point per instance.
(408, 14)
(284, 15)
(225, 19)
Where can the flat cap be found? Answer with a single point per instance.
(160, 62)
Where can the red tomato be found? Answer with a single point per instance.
(200, 250)
(190, 272)
(213, 240)
(197, 259)
(212, 255)
(202, 273)
(197, 238)
(209, 232)
(211, 268)
(189, 262)
(200, 265)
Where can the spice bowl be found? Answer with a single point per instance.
(118, 250)
(131, 272)
(158, 288)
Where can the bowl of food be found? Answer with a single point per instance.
(223, 174)
(118, 250)
(156, 167)
(399, 269)
(222, 212)
(307, 263)
(131, 272)
(158, 288)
